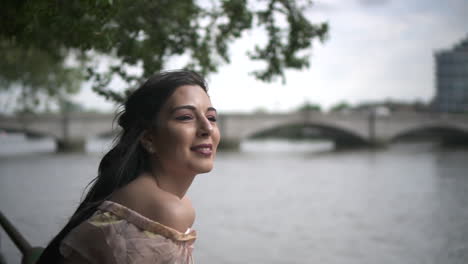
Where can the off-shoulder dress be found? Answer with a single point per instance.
(117, 234)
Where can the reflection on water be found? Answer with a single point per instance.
(13, 144)
(406, 204)
(277, 145)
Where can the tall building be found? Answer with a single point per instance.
(451, 74)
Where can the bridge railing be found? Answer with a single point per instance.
(30, 254)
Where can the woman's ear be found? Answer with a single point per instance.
(146, 141)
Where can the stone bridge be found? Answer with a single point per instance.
(70, 131)
(345, 129)
(350, 129)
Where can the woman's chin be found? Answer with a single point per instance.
(203, 168)
(206, 170)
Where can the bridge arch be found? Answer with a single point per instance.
(449, 134)
(342, 137)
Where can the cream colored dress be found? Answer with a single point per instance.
(117, 234)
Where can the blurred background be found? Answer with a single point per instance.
(344, 123)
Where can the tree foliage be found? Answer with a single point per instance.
(149, 33)
(35, 75)
(308, 106)
(341, 106)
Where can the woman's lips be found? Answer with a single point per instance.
(203, 149)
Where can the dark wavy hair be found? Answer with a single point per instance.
(127, 159)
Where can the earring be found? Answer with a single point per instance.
(150, 148)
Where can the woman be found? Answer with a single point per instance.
(137, 210)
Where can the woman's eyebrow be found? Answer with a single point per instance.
(191, 107)
(211, 109)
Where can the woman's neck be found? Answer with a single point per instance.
(176, 183)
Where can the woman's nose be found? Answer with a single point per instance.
(205, 127)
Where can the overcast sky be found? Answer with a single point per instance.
(376, 50)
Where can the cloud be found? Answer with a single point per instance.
(373, 2)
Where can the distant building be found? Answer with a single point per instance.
(451, 74)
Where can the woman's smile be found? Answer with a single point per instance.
(203, 149)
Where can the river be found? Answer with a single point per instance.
(274, 201)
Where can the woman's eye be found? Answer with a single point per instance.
(212, 118)
(184, 117)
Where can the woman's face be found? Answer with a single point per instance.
(186, 136)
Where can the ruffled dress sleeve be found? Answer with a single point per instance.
(117, 234)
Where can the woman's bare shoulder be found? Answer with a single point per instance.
(157, 205)
(173, 212)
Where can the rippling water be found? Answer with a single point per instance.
(275, 202)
